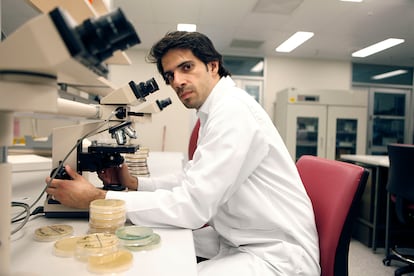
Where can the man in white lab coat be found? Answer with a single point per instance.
(241, 181)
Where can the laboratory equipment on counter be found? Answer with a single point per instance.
(325, 123)
(46, 52)
(122, 106)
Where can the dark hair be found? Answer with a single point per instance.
(199, 44)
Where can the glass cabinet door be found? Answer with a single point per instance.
(306, 136)
(253, 86)
(306, 130)
(347, 130)
(346, 137)
(388, 120)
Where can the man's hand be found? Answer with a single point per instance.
(77, 192)
(119, 175)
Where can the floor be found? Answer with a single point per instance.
(364, 262)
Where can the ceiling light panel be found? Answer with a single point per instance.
(377, 47)
(186, 27)
(389, 74)
(258, 67)
(294, 41)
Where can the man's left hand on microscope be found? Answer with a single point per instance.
(76, 192)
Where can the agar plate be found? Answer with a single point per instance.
(114, 262)
(154, 242)
(134, 232)
(98, 244)
(65, 247)
(107, 205)
(52, 232)
(137, 237)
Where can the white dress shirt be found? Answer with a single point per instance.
(241, 181)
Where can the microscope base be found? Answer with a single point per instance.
(53, 209)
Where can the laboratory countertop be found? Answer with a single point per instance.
(174, 256)
(375, 160)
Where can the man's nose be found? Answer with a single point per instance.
(178, 80)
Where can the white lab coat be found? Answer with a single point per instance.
(241, 181)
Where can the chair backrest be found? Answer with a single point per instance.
(335, 189)
(401, 170)
(401, 177)
(192, 145)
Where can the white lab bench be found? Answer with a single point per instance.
(370, 226)
(28, 176)
(175, 256)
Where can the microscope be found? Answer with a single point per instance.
(118, 111)
(52, 50)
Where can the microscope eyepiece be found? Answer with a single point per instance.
(104, 35)
(163, 103)
(95, 40)
(143, 89)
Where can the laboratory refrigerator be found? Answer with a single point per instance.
(325, 123)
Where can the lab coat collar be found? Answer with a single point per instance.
(223, 83)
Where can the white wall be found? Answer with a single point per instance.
(281, 73)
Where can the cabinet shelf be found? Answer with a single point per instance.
(346, 132)
(345, 147)
(306, 144)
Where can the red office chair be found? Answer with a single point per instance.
(335, 189)
(192, 145)
(400, 190)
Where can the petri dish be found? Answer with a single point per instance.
(107, 223)
(114, 262)
(154, 242)
(98, 229)
(97, 244)
(52, 232)
(106, 215)
(107, 205)
(137, 237)
(134, 233)
(65, 247)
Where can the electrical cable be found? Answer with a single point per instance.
(26, 208)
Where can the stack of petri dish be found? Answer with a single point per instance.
(137, 238)
(106, 215)
(97, 244)
(101, 252)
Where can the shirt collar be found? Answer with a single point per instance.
(204, 110)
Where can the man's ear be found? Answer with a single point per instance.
(214, 65)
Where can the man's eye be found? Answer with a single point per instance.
(187, 66)
(168, 77)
